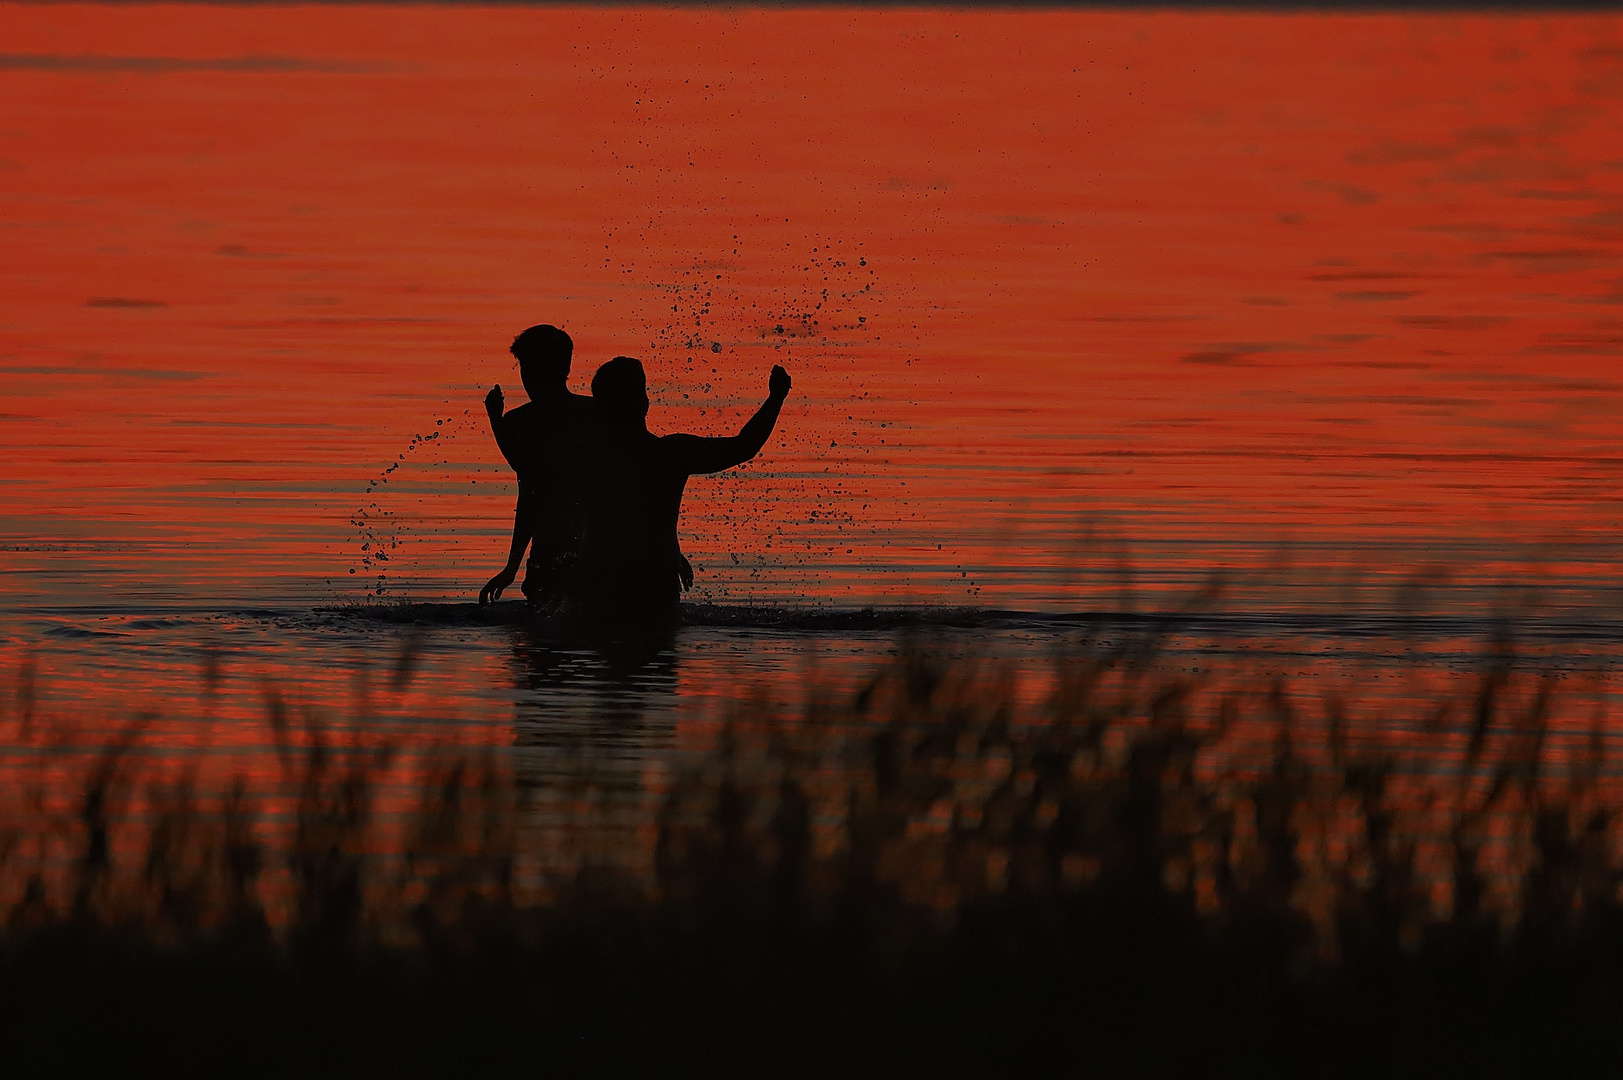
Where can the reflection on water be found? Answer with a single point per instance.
(1358, 789)
(590, 740)
(593, 757)
(1208, 281)
(1252, 376)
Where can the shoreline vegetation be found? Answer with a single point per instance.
(1152, 865)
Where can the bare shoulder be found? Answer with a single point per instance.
(523, 419)
(684, 453)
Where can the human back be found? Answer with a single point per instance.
(634, 500)
(556, 434)
(549, 441)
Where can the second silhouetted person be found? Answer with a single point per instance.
(634, 498)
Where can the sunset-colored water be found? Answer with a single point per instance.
(1181, 592)
(1082, 308)
(1207, 284)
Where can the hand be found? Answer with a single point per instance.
(778, 384)
(684, 570)
(493, 588)
(493, 403)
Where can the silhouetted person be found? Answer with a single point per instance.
(631, 560)
(547, 442)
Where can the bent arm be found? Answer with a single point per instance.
(506, 442)
(701, 455)
(523, 532)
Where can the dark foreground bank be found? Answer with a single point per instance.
(1151, 868)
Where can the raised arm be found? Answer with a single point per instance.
(498, 427)
(701, 455)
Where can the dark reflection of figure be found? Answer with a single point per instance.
(631, 561)
(547, 442)
(586, 738)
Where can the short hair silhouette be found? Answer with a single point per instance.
(621, 391)
(546, 441)
(632, 566)
(543, 352)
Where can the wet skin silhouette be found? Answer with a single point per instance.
(547, 442)
(550, 442)
(631, 560)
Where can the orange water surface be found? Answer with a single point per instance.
(1082, 308)
(1195, 285)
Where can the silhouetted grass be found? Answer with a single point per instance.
(1150, 866)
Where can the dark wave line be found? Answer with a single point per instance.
(924, 617)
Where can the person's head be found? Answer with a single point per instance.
(543, 354)
(621, 391)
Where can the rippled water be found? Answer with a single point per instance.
(1083, 308)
